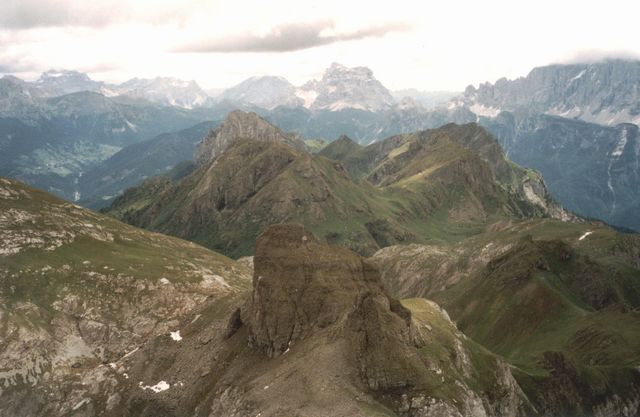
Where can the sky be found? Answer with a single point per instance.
(428, 45)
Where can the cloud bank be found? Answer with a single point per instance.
(26, 14)
(290, 37)
(592, 56)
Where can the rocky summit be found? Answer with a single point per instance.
(240, 125)
(317, 336)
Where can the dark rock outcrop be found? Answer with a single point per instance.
(301, 286)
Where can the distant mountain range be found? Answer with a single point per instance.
(542, 121)
(161, 90)
(101, 318)
(50, 141)
(607, 93)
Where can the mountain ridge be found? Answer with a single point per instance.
(252, 183)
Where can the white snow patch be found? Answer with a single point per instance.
(585, 235)
(341, 105)
(131, 125)
(159, 387)
(176, 336)
(617, 151)
(482, 110)
(579, 75)
(308, 96)
(266, 387)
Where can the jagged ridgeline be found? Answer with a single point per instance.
(436, 185)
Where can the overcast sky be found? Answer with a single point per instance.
(429, 45)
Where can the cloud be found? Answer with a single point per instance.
(24, 14)
(15, 66)
(591, 56)
(290, 37)
(28, 14)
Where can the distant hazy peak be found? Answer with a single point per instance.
(342, 88)
(606, 92)
(55, 74)
(264, 91)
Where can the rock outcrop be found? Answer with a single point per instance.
(310, 294)
(240, 125)
(301, 286)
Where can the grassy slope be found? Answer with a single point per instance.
(52, 249)
(561, 309)
(423, 188)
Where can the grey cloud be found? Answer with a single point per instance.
(290, 37)
(13, 66)
(596, 55)
(24, 14)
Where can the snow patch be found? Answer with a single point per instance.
(617, 151)
(131, 125)
(308, 96)
(579, 75)
(341, 105)
(585, 235)
(482, 110)
(159, 387)
(176, 336)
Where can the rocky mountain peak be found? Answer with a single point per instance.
(238, 125)
(301, 286)
(60, 82)
(342, 88)
(337, 70)
(63, 74)
(264, 91)
(162, 90)
(603, 92)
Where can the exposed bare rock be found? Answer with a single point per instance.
(302, 285)
(240, 125)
